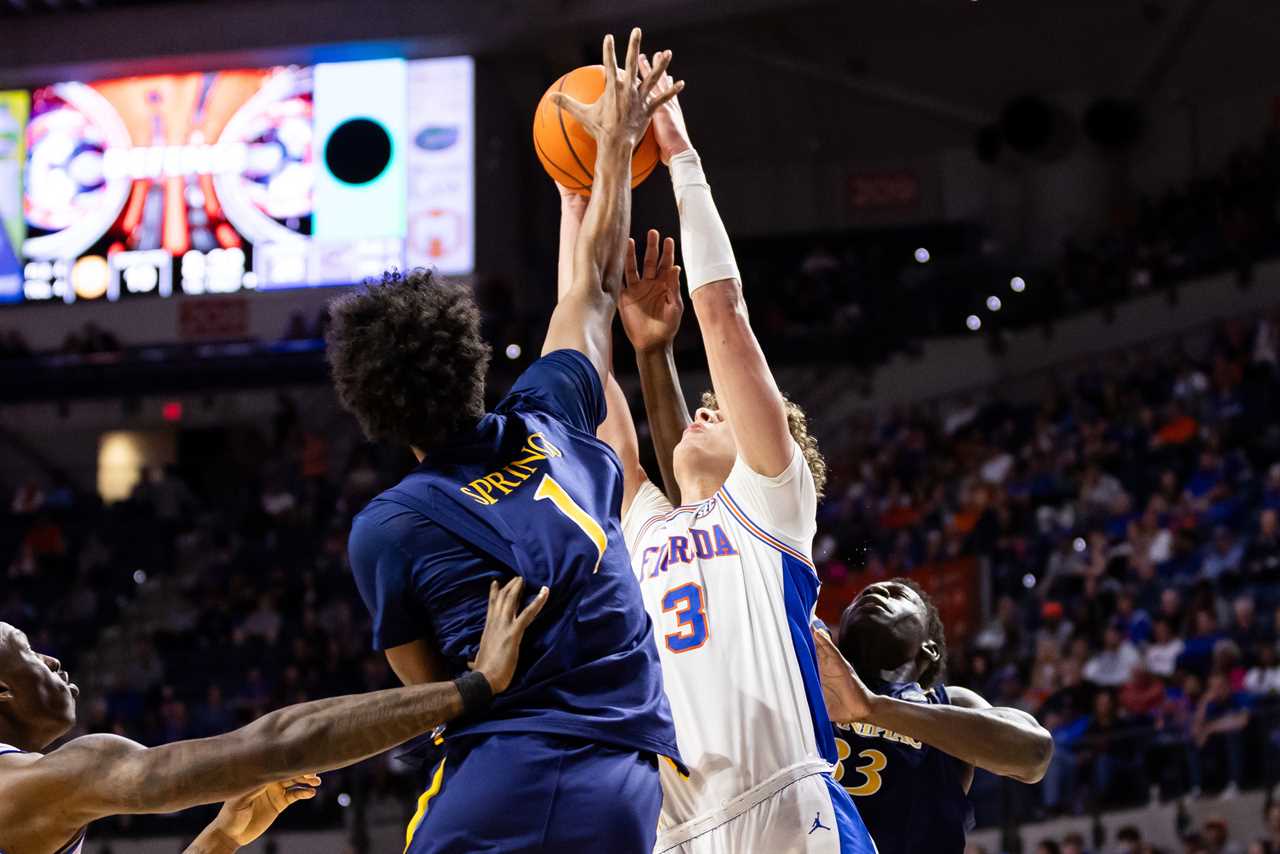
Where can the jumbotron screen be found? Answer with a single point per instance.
(252, 179)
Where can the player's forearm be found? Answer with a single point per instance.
(301, 739)
(1001, 740)
(211, 841)
(572, 209)
(666, 410)
(599, 248)
(744, 385)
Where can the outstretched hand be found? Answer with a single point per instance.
(503, 630)
(625, 107)
(848, 699)
(668, 119)
(650, 304)
(244, 819)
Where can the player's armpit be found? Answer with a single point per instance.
(417, 662)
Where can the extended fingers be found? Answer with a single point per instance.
(511, 597)
(660, 98)
(298, 793)
(629, 263)
(610, 58)
(668, 255)
(633, 53)
(533, 609)
(570, 105)
(673, 284)
(651, 253)
(654, 74)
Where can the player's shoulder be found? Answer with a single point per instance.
(955, 695)
(70, 761)
(387, 510)
(648, 508)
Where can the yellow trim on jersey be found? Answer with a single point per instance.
(550, 488)
(437, 780)
(676, 765)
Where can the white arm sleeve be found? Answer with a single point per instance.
(648, 503)
(704, 243)
(786, 506)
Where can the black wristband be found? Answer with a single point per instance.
(475, 691)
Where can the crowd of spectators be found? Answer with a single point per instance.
(1128, 518)
(1213, 836)
(216, 592)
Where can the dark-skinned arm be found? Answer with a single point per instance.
(651, 310)
(101, 775)
(1004, 741)
(583, 316)
(665, 408)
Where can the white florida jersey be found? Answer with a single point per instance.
(730, 586)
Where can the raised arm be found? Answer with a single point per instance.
(1004, 741)
(651, 311)
(583, 316)
(618, 430)
(102, 775)
(743, 383)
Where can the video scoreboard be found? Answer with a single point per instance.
(236, 180)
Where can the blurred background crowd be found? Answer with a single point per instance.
(1019, 263)
(1127, 519)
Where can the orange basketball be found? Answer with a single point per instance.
(566, 150)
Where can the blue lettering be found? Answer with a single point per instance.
(723, 546)
(662, 563)
(701, 543)
(644, 560)
(679, 548)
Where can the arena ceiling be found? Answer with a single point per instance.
(862, 77)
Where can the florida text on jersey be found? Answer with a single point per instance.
(731, 589)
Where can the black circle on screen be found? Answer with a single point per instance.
(358, 151)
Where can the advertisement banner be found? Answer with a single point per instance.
(441, 206)
(14, 107)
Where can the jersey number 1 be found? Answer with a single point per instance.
(554, 492)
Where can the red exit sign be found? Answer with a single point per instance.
(884, 191)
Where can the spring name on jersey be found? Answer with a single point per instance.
(528, 491)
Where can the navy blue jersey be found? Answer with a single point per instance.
(529, 491)
(911, 796)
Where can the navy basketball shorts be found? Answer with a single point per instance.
(529, 792)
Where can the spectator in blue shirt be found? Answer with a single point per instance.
(1225, 554)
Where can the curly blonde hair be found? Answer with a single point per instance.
(798, 424)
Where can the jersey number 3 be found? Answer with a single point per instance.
(550, 490)
(870, 770)
(689, 603)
